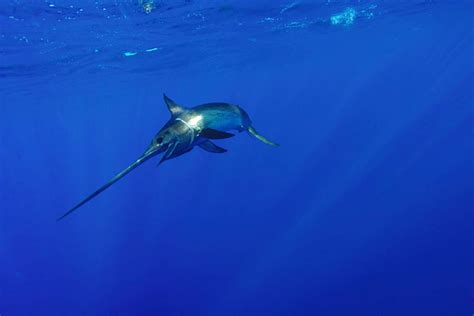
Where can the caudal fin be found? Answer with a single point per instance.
(254, 133)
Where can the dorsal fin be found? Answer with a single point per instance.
(175, 109)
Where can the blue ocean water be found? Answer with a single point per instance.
(365, 208)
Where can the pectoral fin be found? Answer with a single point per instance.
(215, 134)
(169, 152)
(211, 147)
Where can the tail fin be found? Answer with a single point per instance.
(117, 177)
(254, 133)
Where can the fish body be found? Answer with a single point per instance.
(186, 129)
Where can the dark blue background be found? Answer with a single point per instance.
(365, 209)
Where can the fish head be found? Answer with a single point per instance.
(162, 140)
(174, 139)
(169, 135)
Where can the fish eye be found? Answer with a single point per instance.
(159, 140)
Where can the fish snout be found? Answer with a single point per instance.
(154, 149)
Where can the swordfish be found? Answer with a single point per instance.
(187, 128)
